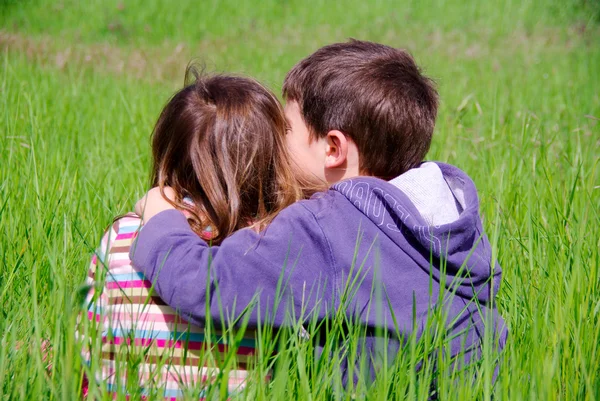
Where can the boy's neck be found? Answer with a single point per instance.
(336, 175)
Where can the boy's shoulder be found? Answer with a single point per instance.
(343, 199)
(306, 219)
(327, 203)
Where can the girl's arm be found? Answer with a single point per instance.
(96, 299)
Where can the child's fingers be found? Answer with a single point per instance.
(154, 202)
(140, 205)
(169, 193)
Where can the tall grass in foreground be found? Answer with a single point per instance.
(520, 110)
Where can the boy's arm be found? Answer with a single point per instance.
(173, 257)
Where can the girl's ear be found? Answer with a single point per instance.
(336, 152)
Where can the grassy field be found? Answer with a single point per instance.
(82, 84)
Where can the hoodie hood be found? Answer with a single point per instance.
(434, 210)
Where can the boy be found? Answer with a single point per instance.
(362, 117)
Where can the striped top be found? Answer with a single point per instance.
(138, 330)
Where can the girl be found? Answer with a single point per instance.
(219, 143)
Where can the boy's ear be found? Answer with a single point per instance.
(336, 152)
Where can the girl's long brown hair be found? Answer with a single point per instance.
(221, 142)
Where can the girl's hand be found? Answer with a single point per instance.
(153, 203)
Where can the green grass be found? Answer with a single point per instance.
(152, 22)
(520, 106)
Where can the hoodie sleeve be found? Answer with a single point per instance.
(269, 271)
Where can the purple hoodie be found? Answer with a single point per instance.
(392, 234)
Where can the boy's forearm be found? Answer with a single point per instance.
(178, 261)
(175, 260)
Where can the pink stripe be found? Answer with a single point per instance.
(128, 284)
(131, 218)
(145, 318)
(173, 377)
(93, 316)
(126, 236)
(161, 343)
(118, 263)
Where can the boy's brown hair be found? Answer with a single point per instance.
(220, 141)
(373, 93)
